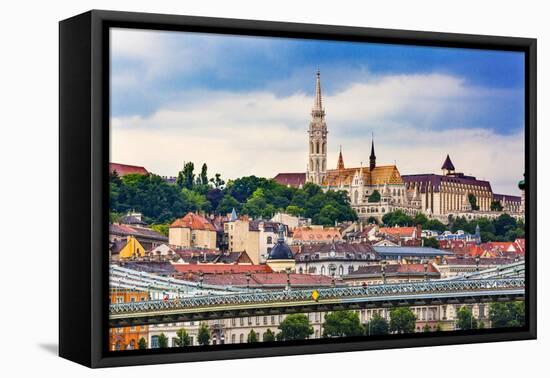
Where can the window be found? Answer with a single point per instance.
(269, 240)
(241, 338)
(233, 338)
(154, 342)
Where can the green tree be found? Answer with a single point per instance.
(252, 337)
(227, 204)
(374, 197)
(426, 328)
(295, 327)
(194, 200)
(431, 242)
(397, 218)
(268, 336)
(183, 338)
(217, 181)
(204, 175)
(294, 210)
(439, 328)
(435, 225)
(420, 219)
(162, 228)
(163, 341)
(342, 324)
(372, 220)
(504, 315)
(142, 343)
(203, 336)
(402, 320)
(186, 177)
(377, 326)
(496, 206)
(473, 201)
(465, 319)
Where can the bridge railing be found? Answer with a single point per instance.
(399, 289)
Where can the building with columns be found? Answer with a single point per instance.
(448, 193)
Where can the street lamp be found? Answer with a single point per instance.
(248, 281)
(425, 271)
(332, 273)
(287, 278)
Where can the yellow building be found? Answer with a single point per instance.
(132, 249)
(241, 237)
(192, 230)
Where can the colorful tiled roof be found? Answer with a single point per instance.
(380, 175)
(194, 222)
(125, 169)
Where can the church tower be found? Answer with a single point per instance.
(317, 163)
(372, 157)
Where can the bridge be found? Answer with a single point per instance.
(243, 304)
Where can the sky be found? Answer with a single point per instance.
(242, 104)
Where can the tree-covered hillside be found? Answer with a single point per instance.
(161, 202)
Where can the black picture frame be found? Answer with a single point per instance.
(83, 180)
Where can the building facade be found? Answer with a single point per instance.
(193, 231)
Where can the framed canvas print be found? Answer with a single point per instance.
(234, 188)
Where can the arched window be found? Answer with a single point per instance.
(269, 240)
(324, 147)
(233, 338)
(341, 270)
(318, 146)
(311, 147)
(241, 338)
(323, 270)
(356, 197)
(301, 270)
(350, 269)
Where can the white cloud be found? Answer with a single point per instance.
(259, 133)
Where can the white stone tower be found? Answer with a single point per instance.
(317, 162)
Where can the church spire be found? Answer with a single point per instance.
(317, 111)
(372, 158)
(340, 164)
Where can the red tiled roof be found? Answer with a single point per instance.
(312, 234)
(194, 222)
(398, 231)
(125, 169)
(221, 268)
(267, 279)
(291, 179)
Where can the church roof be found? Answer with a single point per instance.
(291, 179)
(448, 164)
(380, 175)
(125, 169)
(426, 180)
